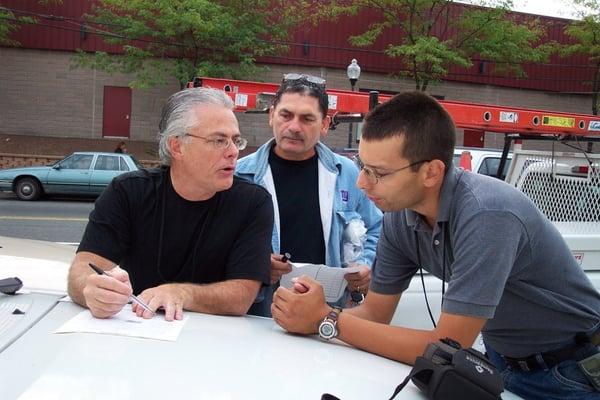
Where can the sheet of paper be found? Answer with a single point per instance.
(332, 279)
(125, 323)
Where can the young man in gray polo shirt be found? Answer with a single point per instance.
(509, 273)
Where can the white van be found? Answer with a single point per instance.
(483, 161)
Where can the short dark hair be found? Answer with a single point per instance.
(427, 128)
(304, 87)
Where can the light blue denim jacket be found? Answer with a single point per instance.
(340, 200)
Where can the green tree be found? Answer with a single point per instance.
(10, 23)
(186, 38)
(586, 36)
(433, 36)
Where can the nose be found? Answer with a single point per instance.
(294, 125)
(231, 151)
(362, 181)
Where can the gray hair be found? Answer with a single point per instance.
(178, 117)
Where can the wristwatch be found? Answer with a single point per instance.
(328, 327)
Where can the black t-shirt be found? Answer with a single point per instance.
(140, 218)
(300, 227)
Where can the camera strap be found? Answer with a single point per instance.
(401, 386)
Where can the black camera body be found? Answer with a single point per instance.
(447, 371)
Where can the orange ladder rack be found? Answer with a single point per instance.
(256, 96)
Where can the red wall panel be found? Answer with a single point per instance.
(327, 45)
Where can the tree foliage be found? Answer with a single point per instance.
(586, 40)
(11, 23)
(433, 37)
(186, 38)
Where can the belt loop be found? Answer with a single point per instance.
(523, 365)
(541, 362)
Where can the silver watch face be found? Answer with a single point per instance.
(327, 330)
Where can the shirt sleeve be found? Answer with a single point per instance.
(393, 269)
(250, 257)
(107, 231)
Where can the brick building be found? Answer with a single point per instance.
(41, 95)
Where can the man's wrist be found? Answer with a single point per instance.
(324, 311)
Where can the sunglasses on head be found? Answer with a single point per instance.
(315, 80)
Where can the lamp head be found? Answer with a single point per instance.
(353, 70)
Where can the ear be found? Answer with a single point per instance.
(433, 173)
(325, 126)
(177, 147)
(271, 114)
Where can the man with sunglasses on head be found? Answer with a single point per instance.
(185, 236)
(509, 273)
(313, 191)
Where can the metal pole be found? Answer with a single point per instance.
(350, 125)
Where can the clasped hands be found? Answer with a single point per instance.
(301, 308)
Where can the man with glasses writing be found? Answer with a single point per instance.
(509, 273)
(186, 236)
(313, 190)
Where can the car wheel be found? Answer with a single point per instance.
(28, 189)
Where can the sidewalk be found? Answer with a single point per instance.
(61, 146)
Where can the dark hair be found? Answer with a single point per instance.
(304, 87)
(427, 128)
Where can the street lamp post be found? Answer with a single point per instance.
(353, 72)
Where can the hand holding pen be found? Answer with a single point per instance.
(131, 298)
(280, 266)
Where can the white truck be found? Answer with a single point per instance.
(566, 188)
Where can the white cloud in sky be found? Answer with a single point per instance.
(553, 8)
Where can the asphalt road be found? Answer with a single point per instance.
(56, 219)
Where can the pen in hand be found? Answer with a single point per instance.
(286, 257)
(133, 298)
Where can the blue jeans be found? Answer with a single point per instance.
(564, 381)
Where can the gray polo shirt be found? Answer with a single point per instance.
(504, 261)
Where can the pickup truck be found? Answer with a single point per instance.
(566, 188)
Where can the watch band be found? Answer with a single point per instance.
(334, 314)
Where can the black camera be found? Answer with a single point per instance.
(447, 371)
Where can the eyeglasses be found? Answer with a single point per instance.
(373, 176)
(222, 143)
(315, 80)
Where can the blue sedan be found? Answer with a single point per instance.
(81, 173)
